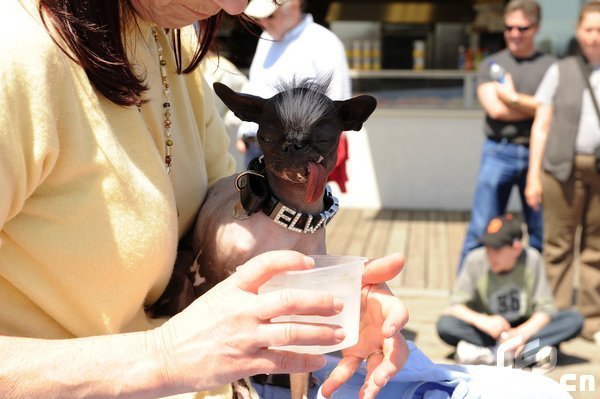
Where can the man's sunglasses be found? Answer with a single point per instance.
(521, 29)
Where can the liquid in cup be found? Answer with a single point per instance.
(341, 276)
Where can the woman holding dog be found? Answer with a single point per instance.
(110, 143)
(564, 171)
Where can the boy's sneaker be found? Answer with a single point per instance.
(468, 353)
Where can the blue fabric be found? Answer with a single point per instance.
(503, 165)
(419, 378)
(422, 379)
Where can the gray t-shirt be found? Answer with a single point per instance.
(514, 295)
(588, 132)
(527, 73)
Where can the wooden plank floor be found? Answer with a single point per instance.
(430, 240)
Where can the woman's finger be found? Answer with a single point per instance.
(261, 268)
(369, 387)
(383, 269)
(396, 318)
(394, 313)
(344, 370)
(282, 334)
(381, 368)
(281, 362)
(396, 355)
(297, 302)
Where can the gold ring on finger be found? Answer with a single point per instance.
(373, 354)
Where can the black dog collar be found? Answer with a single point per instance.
(255, 195)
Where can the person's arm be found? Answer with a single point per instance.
(493, 325)
(539, 134)
(496, 108)
(219, 338)
(531, 327)
(466, 314)
(106, 366)
(465, 292)
(520, 102)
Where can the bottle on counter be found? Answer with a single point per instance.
(469, 60)
(418, 55)
(348, 49)
(366, 54)
(376, 54)
(356, 55)
(460, 62)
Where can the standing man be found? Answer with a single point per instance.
(292, 46)
(507, 99)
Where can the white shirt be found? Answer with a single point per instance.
(588, 132)
(308, 50)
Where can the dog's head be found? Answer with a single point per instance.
(299, 129)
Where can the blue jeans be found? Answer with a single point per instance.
(421, 378)
(564, 325)
(503, 165)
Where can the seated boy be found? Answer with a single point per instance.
(502, 294)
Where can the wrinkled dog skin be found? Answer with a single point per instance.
(299, 131)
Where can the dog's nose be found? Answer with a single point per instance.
(293, 145)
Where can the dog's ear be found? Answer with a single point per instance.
(355, 111)
(245, 106)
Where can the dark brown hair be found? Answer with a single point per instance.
(92, 31)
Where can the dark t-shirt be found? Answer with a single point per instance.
(527, 73)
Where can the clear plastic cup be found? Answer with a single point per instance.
(340, 276)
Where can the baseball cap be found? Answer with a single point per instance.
(262, 8)
(501, 231)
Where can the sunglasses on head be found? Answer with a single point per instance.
(521, 29)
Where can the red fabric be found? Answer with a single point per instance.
(338, 174)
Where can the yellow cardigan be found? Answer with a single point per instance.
(89, 218)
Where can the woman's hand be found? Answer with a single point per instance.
(382, 317)
(224, 335)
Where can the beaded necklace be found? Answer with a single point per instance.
(166, 104)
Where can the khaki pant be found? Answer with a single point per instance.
(567, 205)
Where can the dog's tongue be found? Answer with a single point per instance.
(317, 177)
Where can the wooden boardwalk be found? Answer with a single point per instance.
(430, 240)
